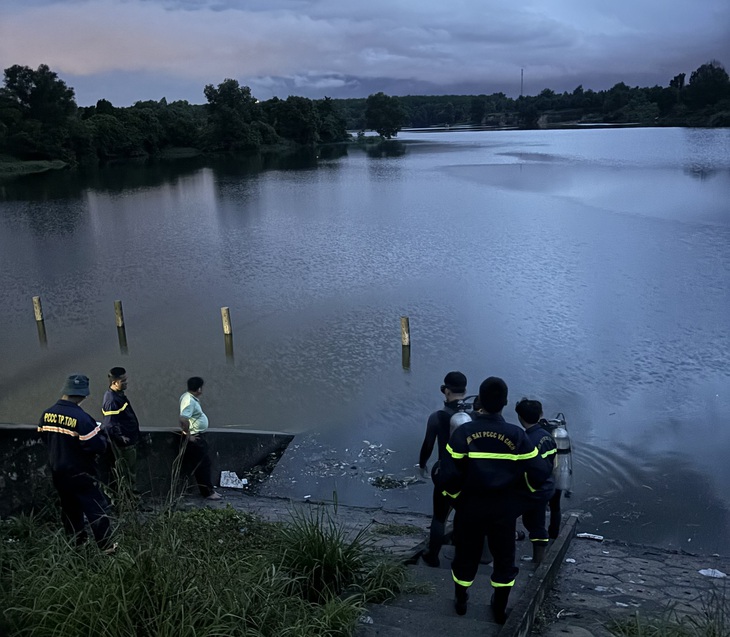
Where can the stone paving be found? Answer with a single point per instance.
(581, 587)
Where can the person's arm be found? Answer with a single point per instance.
(452, 471)
(91, 436)
(186, 412)
(536, 469)
(428, 443)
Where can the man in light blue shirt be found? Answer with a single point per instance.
(194, 424)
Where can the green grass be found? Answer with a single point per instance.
(200, 573)
(713, 621)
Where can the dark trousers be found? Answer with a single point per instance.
(80, 496)
(196, 460)
(442, 506)
(533, 517)
(555, 516)
(473, 520)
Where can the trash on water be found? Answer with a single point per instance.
(390, 482)
(365, 619)
(231, 480)
(307, 497)
(712, 572)
(590, 536)
(569, 560)
(622, 605)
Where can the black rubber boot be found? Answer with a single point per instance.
(499, 603)
(430, 559)
(435, 541)
(538, 551)
(460, 599)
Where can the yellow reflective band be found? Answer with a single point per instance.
(91, 434)
(58, 430)
(485, 455)
(115, 413)
(529, 486)
(454, 454)
(548, 453)
(461, 582)
(450, 495)
(500, 585)
(540, 539)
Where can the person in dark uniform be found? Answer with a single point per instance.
(74, 439)
(488, 459)
(529, 413)
(122, 428)
(437, 433)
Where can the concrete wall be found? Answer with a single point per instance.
(25, 477)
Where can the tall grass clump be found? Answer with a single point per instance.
(199, 573)
(712, 621)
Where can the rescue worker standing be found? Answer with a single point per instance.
(437, 433)
(529, 413)
(73, 439)
(122, 427)
(488, 459)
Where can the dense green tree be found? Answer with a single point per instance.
(708, 84)
(231, 109)
(39, 94)
(384, 114)
(295, 118)
(477, 110)
(332, 124)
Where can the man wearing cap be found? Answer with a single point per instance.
(74, 439)
(437, 432)
(488, 461)
(122, 427)
(194, 424)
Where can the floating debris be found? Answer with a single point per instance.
(231, 480)
(712, 572)
(389, 482)
(590, 536)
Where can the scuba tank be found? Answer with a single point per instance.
(461, 415)
(563, 470)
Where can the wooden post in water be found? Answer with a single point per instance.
(405, 331)
(226, 316)
(39, 322)
(119, 313)
(121, 330)
(227, 333)
(405, 338)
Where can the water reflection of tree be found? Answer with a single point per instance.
(387, 148)
(660, 500)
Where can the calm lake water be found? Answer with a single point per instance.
(588, 268)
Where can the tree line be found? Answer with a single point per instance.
(40, 120)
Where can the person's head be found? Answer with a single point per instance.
(528, 411)
(195, 385)
(454, 386)
(493, 395)
(76, 388)
(117, 379)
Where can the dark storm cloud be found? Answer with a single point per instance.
(329, 47)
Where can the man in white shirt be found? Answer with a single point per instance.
(194, 424)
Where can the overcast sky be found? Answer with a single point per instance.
(129, 50)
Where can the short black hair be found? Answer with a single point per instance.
(529, 410)
(115, 373)
(493, 394)
(195, 383)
